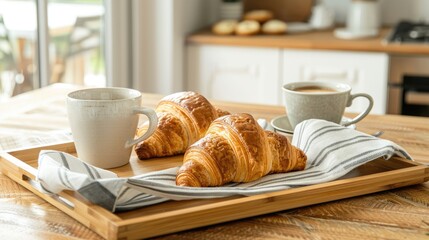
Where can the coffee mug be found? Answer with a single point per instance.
(104, 121)
(321, 100)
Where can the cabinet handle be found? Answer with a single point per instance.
(313, 74)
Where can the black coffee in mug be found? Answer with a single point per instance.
(314, 89)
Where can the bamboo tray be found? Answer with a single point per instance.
(174, 216)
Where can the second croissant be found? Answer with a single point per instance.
(184, 117)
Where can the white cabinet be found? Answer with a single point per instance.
(364, 72)
(239, 74)
(256, 75)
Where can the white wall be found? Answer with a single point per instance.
(198, 14)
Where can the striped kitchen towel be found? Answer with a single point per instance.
(332, 151)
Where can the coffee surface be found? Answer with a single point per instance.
(314, 89)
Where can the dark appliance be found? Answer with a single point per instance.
(409, 74)
(409, 85)
(409, 32)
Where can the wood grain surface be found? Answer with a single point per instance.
(394, 214)
(313, 40)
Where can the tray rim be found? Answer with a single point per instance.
(112, 226)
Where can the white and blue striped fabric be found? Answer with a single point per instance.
(332, 151)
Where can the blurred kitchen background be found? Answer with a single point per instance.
(154, 46)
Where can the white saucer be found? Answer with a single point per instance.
(345, 33)
(281, 124)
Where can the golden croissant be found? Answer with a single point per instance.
(236, 149)
(183, 118)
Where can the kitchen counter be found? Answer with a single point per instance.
(392, 214)
(316, 40)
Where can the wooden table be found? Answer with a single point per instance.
(395, 214)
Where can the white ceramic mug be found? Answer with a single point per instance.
(104, 121)
(321, 100)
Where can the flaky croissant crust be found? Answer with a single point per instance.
(184, 117)
(236, 149)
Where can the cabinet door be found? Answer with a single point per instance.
(236, 74)
(364, 72)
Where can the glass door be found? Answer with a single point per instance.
(50, 41)
(76, 46)
(17, 54)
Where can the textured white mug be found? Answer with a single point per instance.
(321, 100)
(104, 121)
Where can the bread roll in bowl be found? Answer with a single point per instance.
(225, 27)
(260, 16)
(248, 27)
(274, 27)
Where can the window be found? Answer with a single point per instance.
(49, 41)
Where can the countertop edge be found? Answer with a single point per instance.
(314, 40)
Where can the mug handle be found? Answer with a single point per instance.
(153, 123)
(362, 114)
